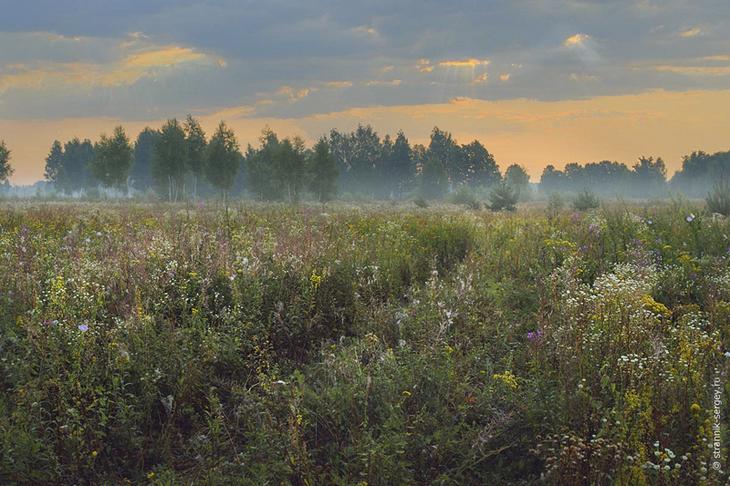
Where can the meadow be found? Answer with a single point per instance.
(374, 345)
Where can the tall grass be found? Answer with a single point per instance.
(269, 344)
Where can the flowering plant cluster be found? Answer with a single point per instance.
(264, 344)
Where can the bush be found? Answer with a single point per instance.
(420, 202)
(503, 198)
(585, 201)
(555, 202)
(465, 197)
(718, 201)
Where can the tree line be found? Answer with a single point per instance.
(179, 161)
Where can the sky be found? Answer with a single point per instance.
(536, 81)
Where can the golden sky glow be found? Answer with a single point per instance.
(532, 133)
(538, 82)
(122, 73)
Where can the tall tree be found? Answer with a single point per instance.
(399, 168)
(70, 167)
(144, 151)
(443, 148)
(477, 166)
(222, 159)
(259, 165)
(551, 180)
(5, 169)
(112, 159)
(367, 153)
(289, 167)
(650, 177)
(434, 179)
(516, 178)
(323, 172)
(170, 159)
(54, 162)
(196, 146)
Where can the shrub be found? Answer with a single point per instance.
(586, 201)
(718, 200)
(555, 202)
(503, 198)
(465, 197)
(420, 202)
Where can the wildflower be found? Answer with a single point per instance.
(507, 378)
(83, 327)
(94, 453)
(315, 280)
(534, 336)
(695, 408)
(690, 217)
(406, 393)
(649, 222)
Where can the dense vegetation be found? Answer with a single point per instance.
(382, 345)
(179, 162)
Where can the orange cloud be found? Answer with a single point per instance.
(392, 82)
(338, 84)
(576, 40)
(131, 68)
(693, 32)
(694, 70)
(464, 63)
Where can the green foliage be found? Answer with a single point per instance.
(222, 159)
(323, 172)
(144, 152)
(503, 198)
(169, 163)
(555, 203)
(434, 179)
(516, 178)
(289, 166)
(68, 166)
(143, 344)
(5, 169)
(196, 150)
(112, 159)
(718, 200)
(585, 201)
(465, 197)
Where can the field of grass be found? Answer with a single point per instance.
(378, 345)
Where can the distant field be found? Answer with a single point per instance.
(377, 344)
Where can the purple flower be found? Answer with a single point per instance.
(690, 217)
(83, 327)
(534, 336)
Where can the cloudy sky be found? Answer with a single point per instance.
(537, 81)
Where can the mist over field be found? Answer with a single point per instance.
(365, 243)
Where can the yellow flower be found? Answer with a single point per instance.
(507, 378)
(695, 408)
(94, 453)
(655, 307)
(406, 393)
(315, 280)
